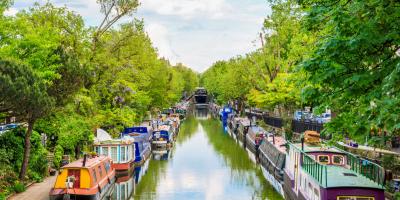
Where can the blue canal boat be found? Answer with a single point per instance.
(142, 136)
(163, 136)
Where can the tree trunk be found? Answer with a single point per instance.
(27, 150)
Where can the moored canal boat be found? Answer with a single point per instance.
(142, 136)
(121, 151)
(163, 136)
(253, 140)
(87, 178)
(272, 156)
(244, 125)
(315, 171)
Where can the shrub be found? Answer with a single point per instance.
(35, 176)
(58, 153)
(19, 187)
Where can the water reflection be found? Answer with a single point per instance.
(124, 187)
(204, 163)
(201, 113)
(162, 154)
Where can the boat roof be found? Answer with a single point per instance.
(90, 162)
(137, 129)
(317, 148)
(348, 178)
(122, 141)
(280, 142)
(256, 129)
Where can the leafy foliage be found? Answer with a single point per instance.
(355, 68)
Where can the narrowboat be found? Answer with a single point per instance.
(163, 136)
(254, 138)
(142, 136)
(316, 171)
(242, 130)
(272, 156)
(124, 187)
(121, 151)
(87, 178)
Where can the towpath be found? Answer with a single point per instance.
(37, 191)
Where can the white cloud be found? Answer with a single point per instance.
(187, 9)
(194, 32)
(160, 38)
(11, 12)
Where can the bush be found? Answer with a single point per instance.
(2, 196)
(19, 187)
(35, 176)
(58, 153)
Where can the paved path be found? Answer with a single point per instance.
(37, 191)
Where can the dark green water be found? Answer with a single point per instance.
(205, 163)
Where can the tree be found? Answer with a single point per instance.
(355, 67)
(48, 42)
(113, 10)
(24, 94)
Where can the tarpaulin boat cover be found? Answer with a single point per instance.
(102, 135)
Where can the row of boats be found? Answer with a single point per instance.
(308, 169)
(116, 165)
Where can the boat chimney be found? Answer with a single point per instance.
(273, 138)
(84, 160)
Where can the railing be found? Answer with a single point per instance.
(316, 170)
(366, 168)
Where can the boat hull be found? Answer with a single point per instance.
(83, 194)
(278, 185)
(145, 156)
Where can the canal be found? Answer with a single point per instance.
(205, 163)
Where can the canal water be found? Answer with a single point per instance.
(205, 163)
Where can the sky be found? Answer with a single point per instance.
(196, 33)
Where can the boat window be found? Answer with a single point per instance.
(104, 151)
(323, 159)
(338, 160)
(355, 198)
(123, 154)
(94, 175)
(114, 154)
(97, 150)
(100, 172)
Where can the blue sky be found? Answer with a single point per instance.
(196, 33)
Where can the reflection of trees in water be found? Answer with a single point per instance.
(236, 158)
(147, 187)
(187, 130)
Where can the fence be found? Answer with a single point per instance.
(301, 126)
(298, 126)
(273, 121)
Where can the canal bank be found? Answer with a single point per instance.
(205, 163)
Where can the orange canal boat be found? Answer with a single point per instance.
(87, 178)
